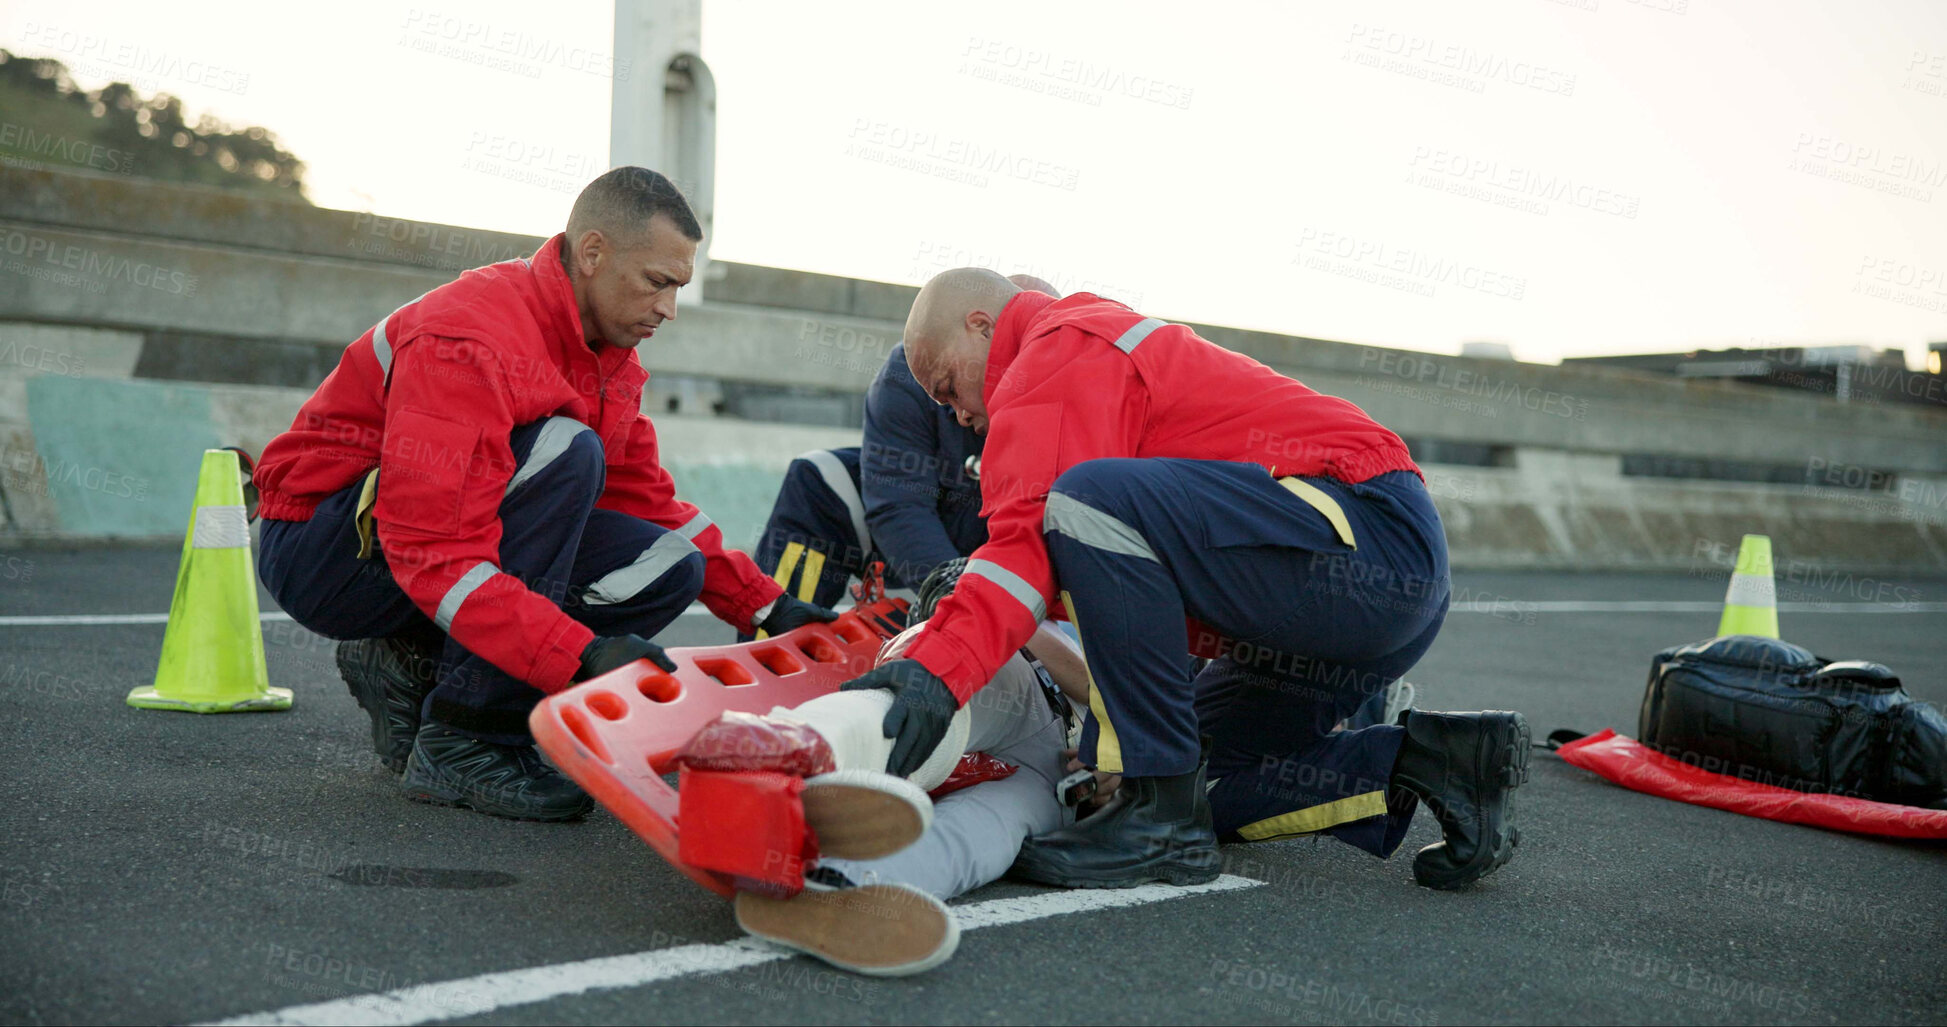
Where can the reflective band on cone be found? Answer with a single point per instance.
(220, 527)
(1751, 603)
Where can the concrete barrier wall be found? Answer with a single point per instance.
(100, 457)
(140, 322)
(103, 457)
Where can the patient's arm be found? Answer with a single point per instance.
(1063, 660)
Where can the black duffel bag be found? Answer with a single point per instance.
(1769, 711)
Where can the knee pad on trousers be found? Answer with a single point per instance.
(568, 453)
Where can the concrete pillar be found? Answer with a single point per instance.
(663, 110)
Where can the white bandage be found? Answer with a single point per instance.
(852, 724)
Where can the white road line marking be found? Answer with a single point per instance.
(1675, 606)
(1000, 912)
(471, 996)
(54, 620)
(1472, 606)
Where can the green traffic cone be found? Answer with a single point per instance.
(1751, 603)
(213, 651)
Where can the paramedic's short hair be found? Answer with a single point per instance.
(621, 203)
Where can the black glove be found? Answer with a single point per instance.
(608, 652)
(937, 586)
(788, 613)
(921, 709)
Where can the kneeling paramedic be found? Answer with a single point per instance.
(475, 501)
(908, 496)
(1148, 482)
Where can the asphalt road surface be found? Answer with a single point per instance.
(162, 867)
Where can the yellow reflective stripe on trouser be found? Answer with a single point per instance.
(785, 565)
(814, 569)
(788, 563)
(1323, 503)
(1108, 748)
(1312, 819)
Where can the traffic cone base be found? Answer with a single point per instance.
(1751, 602)
(149, 698)
(213, 650)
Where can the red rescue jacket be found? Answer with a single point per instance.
(429, 396)
(1085, 378)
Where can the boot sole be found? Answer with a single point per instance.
(859, 814)
(433, 793)
(1513, 773)
(881, 930)
(1178, 874)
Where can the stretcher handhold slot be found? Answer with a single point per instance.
(778, 660)
(607, 705)
(851, 630)
(728, 671)
(820, 650)
(584, 733)
(659, 687)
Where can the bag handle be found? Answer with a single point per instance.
(1856, 674)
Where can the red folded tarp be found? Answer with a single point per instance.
(1638, 767)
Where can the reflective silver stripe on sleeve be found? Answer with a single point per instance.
(548, 445)
(1015, 585)
(1137, 332)
(1092, 527)
(382, 348)
(839, 480)
(449, 605)
(382, 345)
(625, 583)
(694, 527)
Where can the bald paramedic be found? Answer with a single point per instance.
(475, 503)
(909, 496)
(1165, 494)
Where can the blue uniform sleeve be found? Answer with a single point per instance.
(900, 470)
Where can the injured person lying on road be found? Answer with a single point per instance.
(892, 850)
(885, 914)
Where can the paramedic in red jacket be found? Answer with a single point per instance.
(474, 499)
(1139, 479)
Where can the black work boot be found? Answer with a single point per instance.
(390, 678)
(448, 768)
(1465, 767)
(1156, 829)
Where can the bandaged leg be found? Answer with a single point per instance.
(886, 916)
(997, 720)
(852, 723)
(858, 807)
(836, 743)
(977, 832)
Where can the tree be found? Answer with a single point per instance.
(51, 122)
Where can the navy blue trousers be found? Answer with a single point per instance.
(816, 539)
(615, 573)
(1310, 629)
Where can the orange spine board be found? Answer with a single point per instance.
(615, 735)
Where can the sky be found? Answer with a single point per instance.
(1567, 177)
